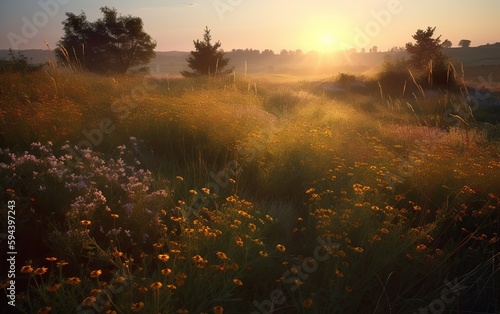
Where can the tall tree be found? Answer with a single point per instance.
(446, 44)
(111, 44)
(426, 49)
(207, 59)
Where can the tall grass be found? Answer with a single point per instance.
(210, 196)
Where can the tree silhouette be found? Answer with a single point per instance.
(464, 43)
(446, 44)
(425, 49)
(207, 59)
(112, 44)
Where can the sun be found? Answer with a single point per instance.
(328, 42)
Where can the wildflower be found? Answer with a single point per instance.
(86, 223)
(114, 216)
(179, 178)
(263, 254)
(222, 256)
(205, 190)
(252, 227)
(376, 237)
(238, 282)
(281, 248)
(166, 271)
(258, 241)
(41, 271)
(171, 287)
(163, 257)
(26, 269)
(44, 310)
(417, 208)
(143, 289)
(175, 251)
(358, 249)
(136, 307)
(182, 311)
(89, 301)
(339, 273)
(218, 309)
(239, 241)
(193, 192)
(73, 280)
(384, 230)
(348, 289)
(421, 247)
(61, 263)
(53, 288)
(95, 273)
(307, 303)
(51, 259)
(156, 285)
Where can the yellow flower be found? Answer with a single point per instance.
(171, 287)
(239, 241)
(166, 271)
(263, 254)
(26, 269)
(61, 263)
(175, 251)
(51, 259)
(156, 285)
(281, 248)
(114, 216)
(163, 257)
(238, 282)
(308, 303)
(41, 271)
(218, 309)
(358, 249)
(193, 192)
(95, 273)
(136, 307)
(205, 190)
(179, 178)
(73, 280)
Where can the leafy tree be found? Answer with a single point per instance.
(112, 44)
(446, 44)
(464, 43)
(208, 59)
(426, 49)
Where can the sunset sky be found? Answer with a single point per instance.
(321, 25)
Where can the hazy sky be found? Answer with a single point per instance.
(263, 24)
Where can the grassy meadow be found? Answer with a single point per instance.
(257, 194)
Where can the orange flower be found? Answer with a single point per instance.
(281, 248)
(252, 227)
(73, 280)
(41, 271)
(222, 256)
(156, 285)
(136, 307)
(114, 216)
(61, 263)
(263, 254)
(89, 301)
(95, 273)
(166, 271)
(348, 289)
(86, 223)
(143, 289)
(26, 269)
(421, 247)
(163, 257)
(238, 282)
(358, 249)
(339, 273)
(218, 309)
(51, 259)
(53, 288)
(44, 310)
(171, 287)
(308, 303)
(239, 241)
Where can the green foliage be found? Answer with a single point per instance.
(18, 64)
(207, 59)
(111, 44)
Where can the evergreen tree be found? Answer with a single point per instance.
(207, 59)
